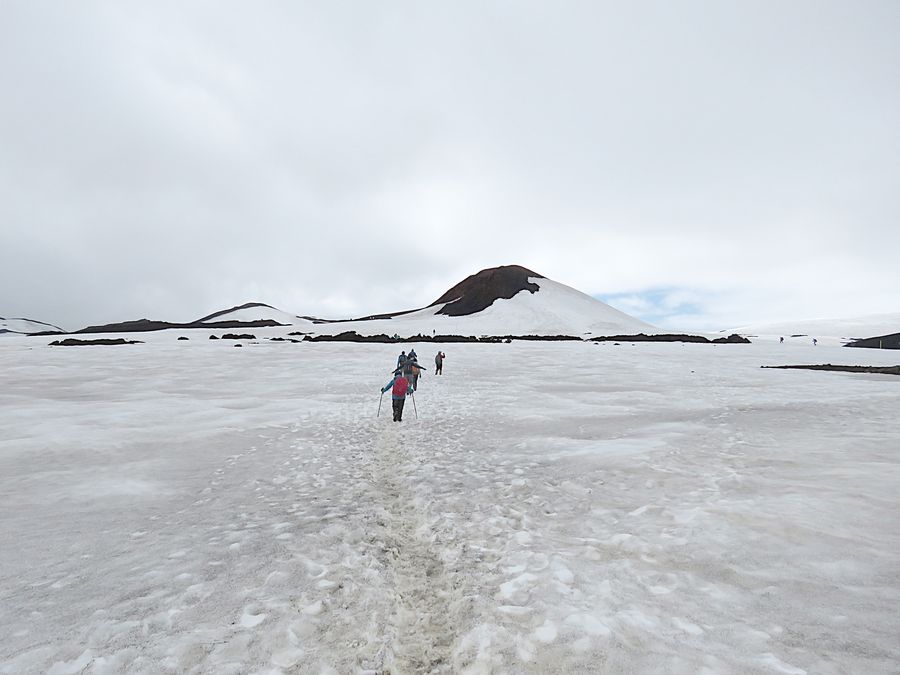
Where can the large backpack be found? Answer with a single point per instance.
(401, 384)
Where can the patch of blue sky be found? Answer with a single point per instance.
(668, 307)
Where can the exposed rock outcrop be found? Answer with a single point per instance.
(479, 291)
(672, 337)
(73, 342)
(881, 370)
(891, 341)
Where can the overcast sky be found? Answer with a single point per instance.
(698, 164)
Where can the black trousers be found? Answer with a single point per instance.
(438, 368)
(398, 408)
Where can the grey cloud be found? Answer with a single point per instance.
(166, 160)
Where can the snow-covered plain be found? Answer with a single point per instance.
(177, 507)
(830, 331)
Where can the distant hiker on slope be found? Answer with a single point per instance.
(439, 363)
(399, 387)
(401, 359)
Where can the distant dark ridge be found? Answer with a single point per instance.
(891, 341)
(247, 305)
(260, 323)
(370, 317)
(146, 325)
(479, 291)
(881, 370)
(139, 326)
(734, 338)
(314, 319)
(373, 317)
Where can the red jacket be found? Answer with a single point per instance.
(399, 387)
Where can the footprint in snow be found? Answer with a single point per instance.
(250, 620)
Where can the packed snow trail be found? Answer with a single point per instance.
(190, 508)
(419, 629)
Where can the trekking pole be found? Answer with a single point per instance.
(379, 405)
(413, 397)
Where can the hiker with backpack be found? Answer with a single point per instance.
(415, 372)
(412, 371)
(439, 363)
(400, 388)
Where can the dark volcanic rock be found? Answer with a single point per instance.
(734, 338)
(891, 341)
(183, 338)
(542, 338)
(479, 291)
(881, 370)
(673, 337)
(353, 336)
(350, 336)
(139, 326)
(243, 336)
(72, 342)
(146, 325)
(262, 323)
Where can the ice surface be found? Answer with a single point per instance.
(177, 507)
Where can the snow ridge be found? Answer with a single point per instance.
(25, 326)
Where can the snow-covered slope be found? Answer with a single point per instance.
(554, 309)
(506, 300)
(25, 326)
(840, 330)
(255, 311)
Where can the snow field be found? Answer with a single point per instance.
(191, 507)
